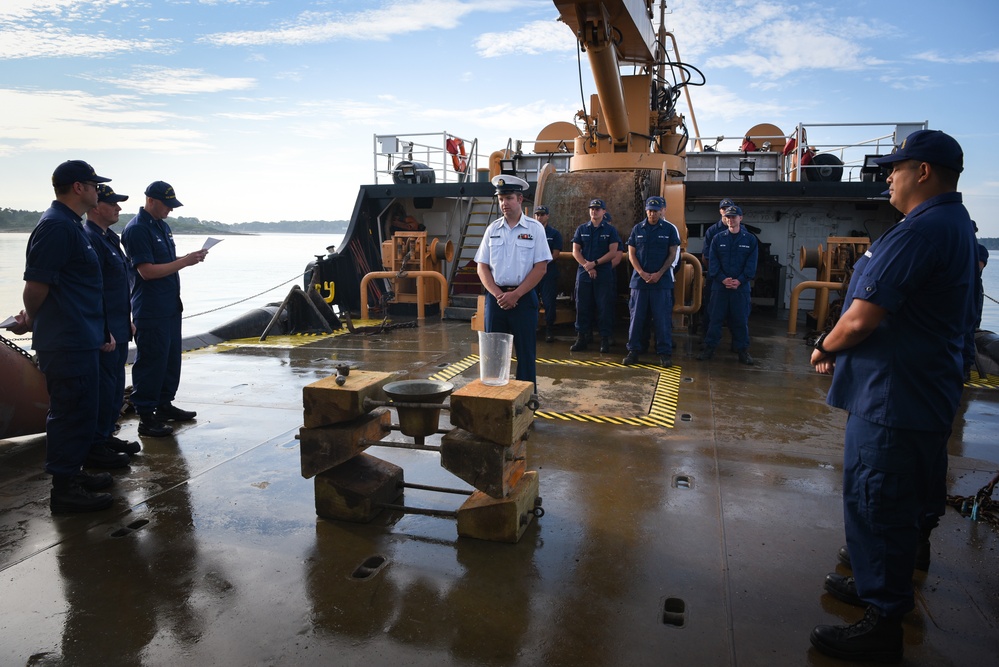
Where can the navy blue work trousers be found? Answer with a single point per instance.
(71, 377)
(156, 371)
(595, 298)
(112, 390)
(894, 490)
(657, 305)
(729, 306)
(548, 291)
(522, 322)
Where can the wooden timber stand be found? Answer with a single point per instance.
(345, 414)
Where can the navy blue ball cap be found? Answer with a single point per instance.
(505, 184)
(106, 194)
(163, 191)
(655, 204)
(539, 210)
(76, 171)
(931, 146)
(732, 211)
(597, 203)
(725, 203)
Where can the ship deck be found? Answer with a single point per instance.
(726, 513)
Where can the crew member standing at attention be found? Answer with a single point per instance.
(733, 264)
(548, 287)
(652, 250)
(156, 310)
(64, 310)
(595, 247)
(709, 234)
(895, 357)
(510, 262)
(118, 307)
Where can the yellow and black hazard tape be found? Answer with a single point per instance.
(455, 369)
(662, 412)
(979, 382)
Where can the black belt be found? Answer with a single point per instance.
(508, 289)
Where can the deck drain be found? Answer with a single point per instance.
(683, 482)
(686, 417)
(674, 612)
(687, 380)
(369, 568)
(130, 528)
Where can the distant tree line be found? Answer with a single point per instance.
(14, 220)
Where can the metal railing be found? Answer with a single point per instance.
(842, 140)
(437, 157)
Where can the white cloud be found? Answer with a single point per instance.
(19, 43)
(908, 82)
(64, 120)
(974, 58)
(167, 81)
(531, 39)
(375, 24)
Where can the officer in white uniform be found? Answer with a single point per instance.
(512, 260)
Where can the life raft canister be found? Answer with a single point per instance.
(456, 149)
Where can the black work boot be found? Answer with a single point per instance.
(744, 357)
(69, 495)
(168, 412)
(666, 361)
(549, 336)
(116, 444)
(843, 589)
(632, 358)
(605, 345)
(153, 428)
(102, 457)
(706, 354)
(874, 638)
(579, 345)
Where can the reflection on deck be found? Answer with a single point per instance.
(212, 553)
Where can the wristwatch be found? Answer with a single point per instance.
(818, 343)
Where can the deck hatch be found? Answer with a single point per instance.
(369, 568)
(130, 528)
(674, 612)
(652, 403)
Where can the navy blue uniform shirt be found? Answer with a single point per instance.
(652, 244)
(594, 243)
(114, 270)
(554, 237)
(733, 256)
(908, 372)
(60, 254)
(150, 241)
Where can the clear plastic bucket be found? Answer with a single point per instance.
(495, 353)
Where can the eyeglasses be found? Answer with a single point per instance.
(89, 183)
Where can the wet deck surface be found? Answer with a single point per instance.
(213, 554)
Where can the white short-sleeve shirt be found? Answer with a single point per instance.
(511, 252)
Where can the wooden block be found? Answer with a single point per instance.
(499, 413)
(491, 468)
(505, 520)
(479, 318)
(327, 446)
(355, 490)
(327, 403)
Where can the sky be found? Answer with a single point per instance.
(267, 109)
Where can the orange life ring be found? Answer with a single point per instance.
(456, 149)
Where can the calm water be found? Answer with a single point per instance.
(244, 266)
(237, 268)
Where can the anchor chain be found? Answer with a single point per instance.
(979, 507)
